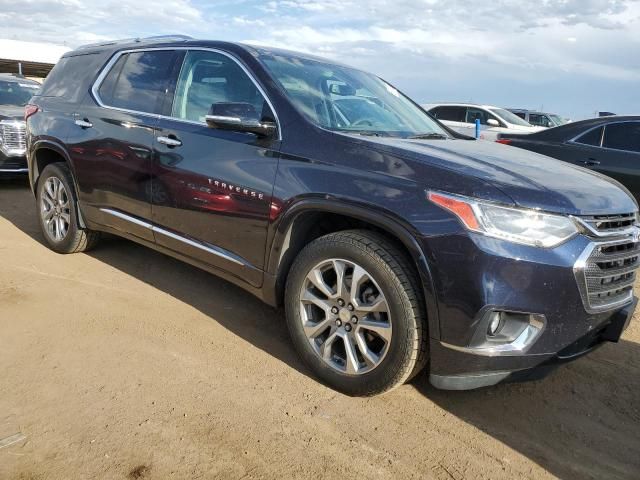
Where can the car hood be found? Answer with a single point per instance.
(11, 112)
(531, 180)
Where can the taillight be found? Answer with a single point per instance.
(504, 141)
(30, 110)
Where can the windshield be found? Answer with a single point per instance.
(16, 93)
(345, 99)
(509, 117)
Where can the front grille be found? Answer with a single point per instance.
(13, 137)
(610, 223)
(609, 272)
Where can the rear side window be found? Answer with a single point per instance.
(70, 77)
(592, 137)
(138, 81)
(622, 136)
(453, 114)
(522, 115)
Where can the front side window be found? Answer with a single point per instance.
(345, 99)
(540, 120)
(17, 94)
(474, 114)
(209, 80)
(592, 137)
(138, 81)
(558, 120)
(622, 136)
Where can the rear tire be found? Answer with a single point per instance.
(57, 212)
(365, 339)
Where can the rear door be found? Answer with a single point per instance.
(112, 138)
(212, 188)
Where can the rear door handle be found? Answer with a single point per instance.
(591, 162)
(84, 123)
(169, 141)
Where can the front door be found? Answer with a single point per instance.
(212, 188)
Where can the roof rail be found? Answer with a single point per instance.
(156, 38)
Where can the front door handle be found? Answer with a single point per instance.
(169, 141)
(84, 123)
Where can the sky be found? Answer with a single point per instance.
(571, 57)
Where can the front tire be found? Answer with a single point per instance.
(355, 314)
(57, 212)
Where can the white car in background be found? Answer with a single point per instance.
(461, 117)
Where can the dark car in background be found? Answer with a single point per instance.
(608, 145)
(539, 119)
(392, 243)
(15, 92)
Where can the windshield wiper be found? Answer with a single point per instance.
(429, 136)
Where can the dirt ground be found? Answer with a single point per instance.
(124, 363)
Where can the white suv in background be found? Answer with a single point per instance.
(461, 117)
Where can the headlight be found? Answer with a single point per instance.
(529, 227)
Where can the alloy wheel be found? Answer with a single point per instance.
(345, 316)
(55, 209)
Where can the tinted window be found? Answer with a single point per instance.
(70, 77)
(522, 115)
(622, 136)
(137, 81)
(453, 114)
(209, 78)
(592, 137)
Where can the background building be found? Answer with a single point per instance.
(29, 58)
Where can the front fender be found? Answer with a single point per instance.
(280, 232)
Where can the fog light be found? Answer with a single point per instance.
(494, 324)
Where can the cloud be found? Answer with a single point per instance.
(503, 51)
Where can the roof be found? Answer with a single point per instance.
(186, 41)
(458, 104)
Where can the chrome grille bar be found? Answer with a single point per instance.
(13, 138)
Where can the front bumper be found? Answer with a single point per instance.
(13, 165)
(493, 370)
(474, 274)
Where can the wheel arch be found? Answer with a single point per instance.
(47, 152)
(312, 218)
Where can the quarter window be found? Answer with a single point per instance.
(622, 136)
(210, 78)
(138, 81)
(592, 137)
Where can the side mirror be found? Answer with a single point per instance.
(493, 122)
(239, 117)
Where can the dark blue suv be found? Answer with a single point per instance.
(393, 243)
